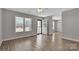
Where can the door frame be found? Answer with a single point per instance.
(41, 25)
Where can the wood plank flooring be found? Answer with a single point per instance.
(40, 43)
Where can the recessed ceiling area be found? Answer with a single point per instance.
(45, 11)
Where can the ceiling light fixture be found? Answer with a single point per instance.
(39, 10)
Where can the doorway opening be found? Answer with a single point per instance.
(39, 26)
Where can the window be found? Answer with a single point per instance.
(22, 24)
(19, 24)
(28, 24)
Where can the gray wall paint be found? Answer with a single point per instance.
(70, 25)
(59, 26)
(8, 24)
(49, 24)
(0, 25)
(44, 26)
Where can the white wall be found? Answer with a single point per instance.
(70, 25)
(8, 25)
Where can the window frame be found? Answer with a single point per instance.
(24, 30)
(30, 24)
(22, 25)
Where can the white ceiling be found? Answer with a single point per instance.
(45, 12)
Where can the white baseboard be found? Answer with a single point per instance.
(76, 40)
(17, 37)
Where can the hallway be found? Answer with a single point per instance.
(40, 43)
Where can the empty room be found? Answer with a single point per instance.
(39, 29)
